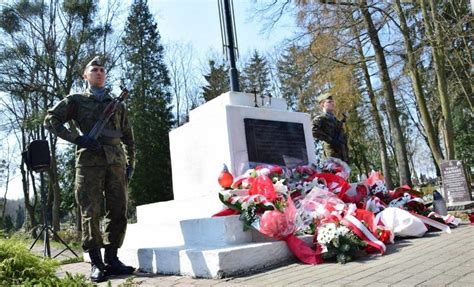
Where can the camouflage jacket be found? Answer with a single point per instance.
(84, 109)
(330, 130)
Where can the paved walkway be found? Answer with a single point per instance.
(438, 259)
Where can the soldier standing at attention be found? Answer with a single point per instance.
(327, 128)
(103, 169)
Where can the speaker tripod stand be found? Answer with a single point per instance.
(46, 228)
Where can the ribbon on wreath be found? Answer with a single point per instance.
(374, 204)
(355, 194)
(241, 197)
(282, 226)
(261, 191)
(334, 183)
(302, 251)
(431, 222)
(226, 212)
(353, 220)
(448, 218)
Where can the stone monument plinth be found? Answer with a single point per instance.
(179, 236)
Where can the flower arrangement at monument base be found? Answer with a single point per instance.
(267, 206)
(404, 210)
(346, 220)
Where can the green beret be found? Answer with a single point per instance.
(95, 62)
(324, 96)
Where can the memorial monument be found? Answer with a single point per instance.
(180, 236)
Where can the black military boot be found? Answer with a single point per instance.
(113, 265)
(97, 266)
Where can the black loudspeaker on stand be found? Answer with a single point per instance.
(37, 159)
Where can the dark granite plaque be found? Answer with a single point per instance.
(275, 142)
(455, 184)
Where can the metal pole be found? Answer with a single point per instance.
(234, 81)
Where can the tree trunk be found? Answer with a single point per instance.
(431, 135)
(30, 221)
(367, 166)
(439, 65)
(78, 219)
(397, 135)
(54, 185)
(376, 117)
(356, 156)
(415, 175)
(7, 180)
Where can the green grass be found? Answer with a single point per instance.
(56, 246)
(72, 260)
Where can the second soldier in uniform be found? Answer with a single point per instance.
(328, 129)
(103, 168)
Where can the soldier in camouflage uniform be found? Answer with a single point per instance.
(103, 169)
(327, 128)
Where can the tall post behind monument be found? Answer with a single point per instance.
(228, 30)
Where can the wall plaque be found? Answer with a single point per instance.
(275, 142)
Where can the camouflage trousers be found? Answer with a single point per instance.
(339, 152)
(98, 186)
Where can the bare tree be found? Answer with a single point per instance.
(181, 64)
(412, 61)
(392, 111)
(435, 36)
(374, 111)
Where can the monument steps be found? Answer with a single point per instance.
(207, 247)
(212, 247)
(209, 261)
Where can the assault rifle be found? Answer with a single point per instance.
(107, 114)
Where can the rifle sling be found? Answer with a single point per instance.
(109, 141)
(111, 133)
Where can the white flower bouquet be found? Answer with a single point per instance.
(339, 242)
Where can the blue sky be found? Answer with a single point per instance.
(197, 22)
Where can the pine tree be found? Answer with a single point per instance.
(295, 79)
(217, 79)
(256, 75)
(150, 106)
(7, 223)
